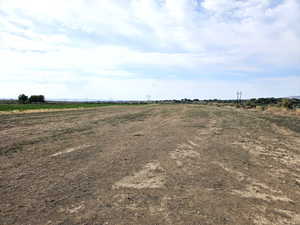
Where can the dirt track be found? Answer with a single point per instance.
(154, 164)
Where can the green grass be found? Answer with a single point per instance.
(23, 107)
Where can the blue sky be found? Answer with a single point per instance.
(166, 49)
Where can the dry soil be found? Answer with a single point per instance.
(150, 164)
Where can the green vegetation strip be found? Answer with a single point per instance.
(23, 107)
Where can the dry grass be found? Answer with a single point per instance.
(277, 110)
(282, 111)
(39, 110)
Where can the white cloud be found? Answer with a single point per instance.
(174, 24)
(212, 35)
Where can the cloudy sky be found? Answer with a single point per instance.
(158, 49)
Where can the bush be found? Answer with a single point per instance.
(250, 104)
(287, 103)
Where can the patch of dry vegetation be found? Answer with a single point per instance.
(282, 111)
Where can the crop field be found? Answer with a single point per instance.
(24, 107)
(150, 164)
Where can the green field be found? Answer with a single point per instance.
(22, 107)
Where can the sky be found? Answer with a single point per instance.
(149, 49)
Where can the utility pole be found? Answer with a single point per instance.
(148, 97)
(238, 97)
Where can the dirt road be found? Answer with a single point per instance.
(153, 164)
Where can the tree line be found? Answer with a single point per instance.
(289, 103)
(24, 99)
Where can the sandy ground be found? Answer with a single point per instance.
(151, 164)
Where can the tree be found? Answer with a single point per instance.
(22, 98)
(37, 99)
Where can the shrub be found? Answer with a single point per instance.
(250, 104)
(287, 103)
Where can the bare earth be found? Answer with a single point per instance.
(153, 164)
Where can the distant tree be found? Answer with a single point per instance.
(23, 99)
(250, 104)
(37, 99)
(287, 103)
